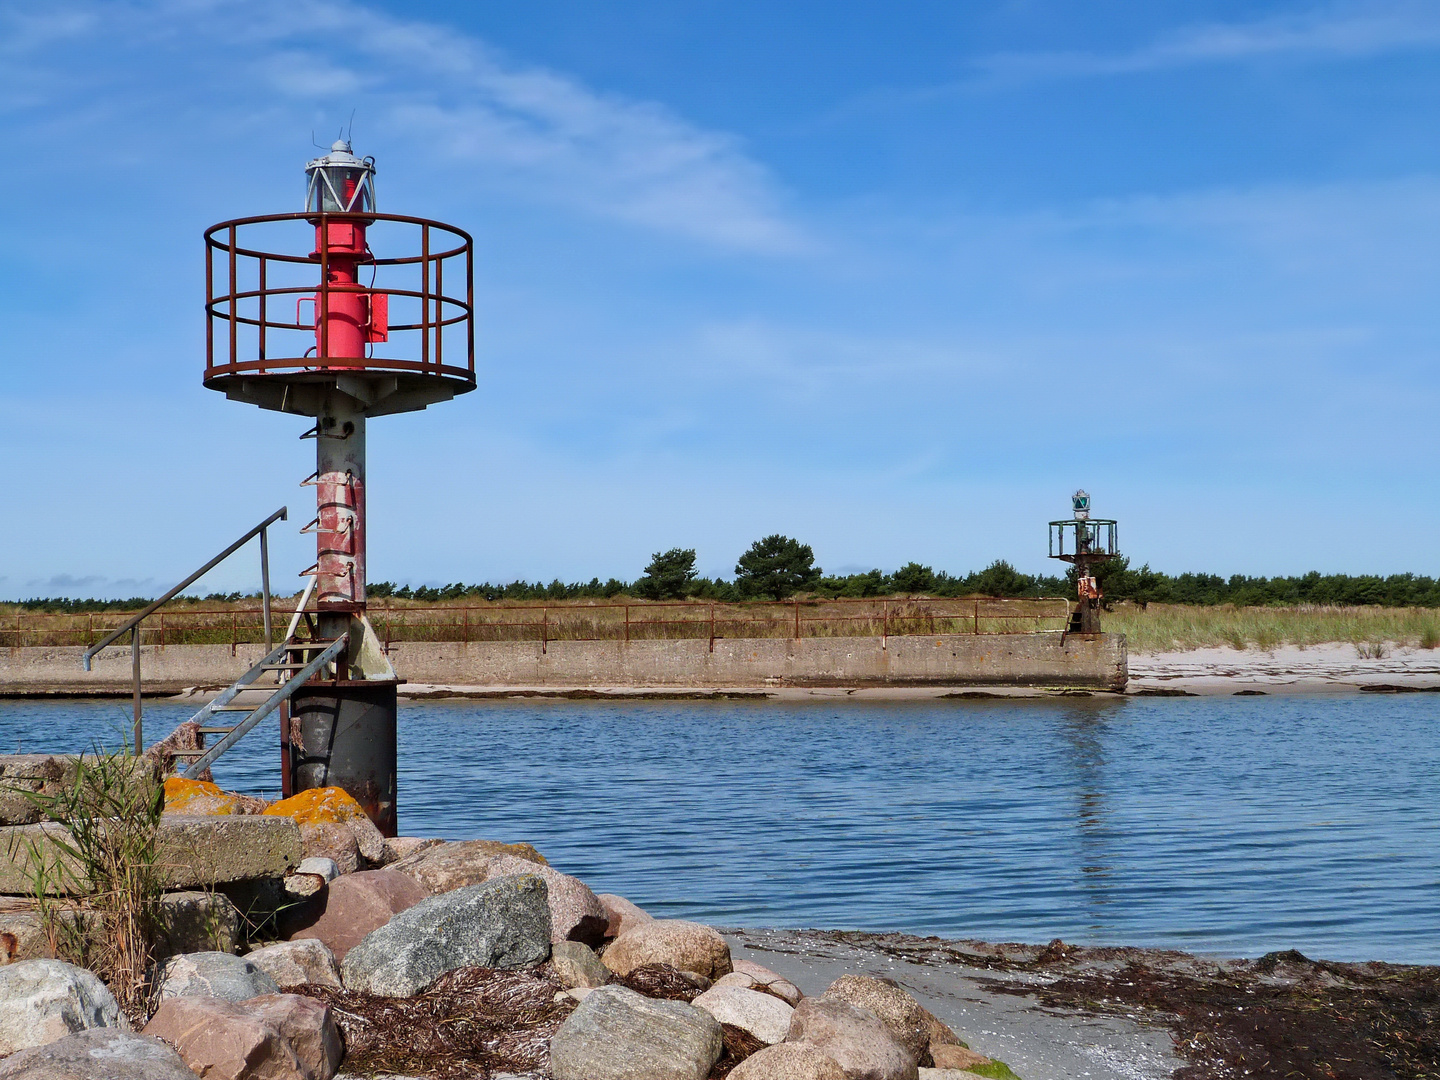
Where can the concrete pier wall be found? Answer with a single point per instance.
(1097, 661)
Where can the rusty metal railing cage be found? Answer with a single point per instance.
(256, 290)
(1097, 537)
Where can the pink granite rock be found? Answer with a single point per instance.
(621, 914)
(331, 840)
(402, 847)
(455, 864)
(220, 1040)
(576, 914)
(763, 979)
(307, 1028)
(356, 904)
(684, 945)
(854, 1038)
(788, 1061)
(957, 1057)
(368, 840)
(896, 1007)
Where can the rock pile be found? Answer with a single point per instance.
(322, 938)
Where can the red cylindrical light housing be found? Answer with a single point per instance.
(341, 183)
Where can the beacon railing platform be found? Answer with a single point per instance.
(267, 298)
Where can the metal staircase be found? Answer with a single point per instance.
(290, 656)
(303, 670)
(293, 662)
(132, 626)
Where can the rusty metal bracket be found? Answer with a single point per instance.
(316, 433)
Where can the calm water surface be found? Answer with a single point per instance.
(1229, 825)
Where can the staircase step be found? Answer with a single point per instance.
(297, 673)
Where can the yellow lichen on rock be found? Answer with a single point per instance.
(318, 806)
(184, 796)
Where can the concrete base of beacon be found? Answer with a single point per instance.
(342, 735)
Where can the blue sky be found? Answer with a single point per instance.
(892, 279)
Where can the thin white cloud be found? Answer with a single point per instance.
(304, 73)
(631, 159)
(22, 31)
(816, 361)
(1352, 28)
(448, 95)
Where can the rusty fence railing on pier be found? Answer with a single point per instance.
(609, 620)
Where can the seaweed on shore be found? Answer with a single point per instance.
(739, 1045)
(475, 1022)
(1290, 1017)
(470, 1024)
(661, 981)
(1281, 1016)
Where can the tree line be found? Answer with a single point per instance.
(1119, 581)
(776, 567)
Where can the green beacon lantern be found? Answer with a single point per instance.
(1084, 541)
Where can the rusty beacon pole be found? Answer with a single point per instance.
(389, 301)
(1084, 541)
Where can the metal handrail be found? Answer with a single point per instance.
(133, 624)
(271, 703)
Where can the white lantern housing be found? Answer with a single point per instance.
(340, 183)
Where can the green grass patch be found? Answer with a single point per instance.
(996, 1070)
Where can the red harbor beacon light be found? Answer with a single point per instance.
(340, 313)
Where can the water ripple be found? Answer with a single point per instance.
(1214, 825)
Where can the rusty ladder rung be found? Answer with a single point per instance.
(214, 731)
(282, 667)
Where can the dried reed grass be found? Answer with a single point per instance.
(97, 885)
(1178, 627)
(476, 620)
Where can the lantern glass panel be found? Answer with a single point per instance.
(339, 188)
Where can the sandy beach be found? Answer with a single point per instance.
(1333, 668)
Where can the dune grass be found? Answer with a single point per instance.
(621, 619)
(1179, 627)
